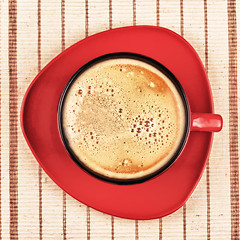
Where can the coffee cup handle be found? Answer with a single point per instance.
(206, 122)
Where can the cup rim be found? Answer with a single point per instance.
(161, 68)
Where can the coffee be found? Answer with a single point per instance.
(123, 118)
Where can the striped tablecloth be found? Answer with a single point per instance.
(32, 33)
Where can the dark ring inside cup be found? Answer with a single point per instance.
(155, 64)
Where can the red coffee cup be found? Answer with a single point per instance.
(204, 122)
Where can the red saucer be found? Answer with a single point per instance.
(157, 197)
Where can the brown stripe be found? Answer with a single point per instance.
(181, 14)
(184, 222)
(40, 200)
(136, 230)
(158, 12)
(208, 202)
(63, 48)
(134, 12)
(39, 168)
(63, 23)
(233, 119)
(112, 223)
(110, 14)
(86, 18)
(64, 217)
(13, 116)
(207, 168)
(160, 228)
(206, 34)
(39, 35)
(88, 223)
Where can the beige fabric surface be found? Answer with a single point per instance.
(32, 33)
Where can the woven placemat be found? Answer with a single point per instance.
(32, 33)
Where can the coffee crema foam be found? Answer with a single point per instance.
(123, 118)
